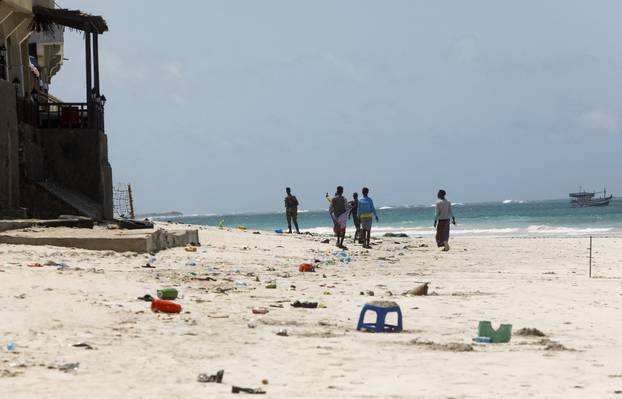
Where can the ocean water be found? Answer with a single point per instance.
(518, 218)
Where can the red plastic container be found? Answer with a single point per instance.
(306, 267)
(159, 305)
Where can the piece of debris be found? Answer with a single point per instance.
(325, 241)
(146, 298)
(260, 310)
(307, 305)
(256, 391)
(282, 333)
(418, 291)
(83, 345)
(217, 378)
(69, 367)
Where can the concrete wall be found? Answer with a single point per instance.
(9, 162)
(72, 159)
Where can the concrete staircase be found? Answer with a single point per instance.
(81, 203)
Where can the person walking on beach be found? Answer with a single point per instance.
(291, 210)
(338, 210)
(444, 213)
(354, 205)
(366, 210)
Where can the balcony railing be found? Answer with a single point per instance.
(50, 115)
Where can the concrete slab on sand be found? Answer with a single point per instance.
(101, 238)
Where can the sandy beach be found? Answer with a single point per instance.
(529, 282)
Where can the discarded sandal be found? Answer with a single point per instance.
(217, 378)
(307, 305)
(257, 391)
(146, 298)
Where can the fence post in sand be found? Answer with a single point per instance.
(590, 256)
(131, 201)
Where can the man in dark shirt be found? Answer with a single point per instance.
(339, 212)
(354, 204)
(291, 210)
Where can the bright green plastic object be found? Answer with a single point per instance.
(499, 336)
(167, 293)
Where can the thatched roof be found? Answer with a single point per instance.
(46, 18)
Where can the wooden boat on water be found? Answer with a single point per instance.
(584, 198)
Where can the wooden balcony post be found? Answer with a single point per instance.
(96, 62)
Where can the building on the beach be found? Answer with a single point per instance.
(53, 154)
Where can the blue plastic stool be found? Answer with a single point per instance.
(382, 308)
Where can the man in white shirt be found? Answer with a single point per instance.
(444, 213)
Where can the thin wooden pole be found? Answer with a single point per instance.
(96, 62)
(131, 199)
(590, 256)
(89, 65)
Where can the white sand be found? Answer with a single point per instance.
(528, 282)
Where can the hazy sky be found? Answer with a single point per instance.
(216, 106)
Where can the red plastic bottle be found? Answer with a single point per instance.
(305, 268)
(159, 305)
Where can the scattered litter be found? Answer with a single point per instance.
(482, 340)
(282, 333)
(420, 290)
(271, 286)
(35, 265)
(167, 293)
(20, 296)
(306, 268)
(217, 378)
(265, 381)
(11, 346)
(260, 310)
(256, 391)
(252, 324)
(69, 367)
(307, 305)
(241, 227)
(146, 298)
(159, 305)
(325, 241)
(278, 231)
(190, 249)
(148, 266)
(204, 278)
(83, 345)
(503, 334)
